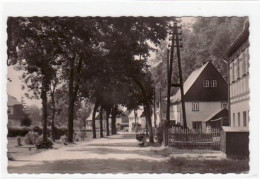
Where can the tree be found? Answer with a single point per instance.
(35, 114)
(31, 45)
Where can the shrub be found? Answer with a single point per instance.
(18, 131)
(31, 138)
(37, 129)
(19, 141)
(41, 144)
(63, 138)
(26, 121)
(61, 131)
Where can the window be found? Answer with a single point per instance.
(224, 105)
(213, 83)
(238, 69)
(197, 125)
(244, 118)
(195, 106)
(206, 83)
(244, 63)
(233, 72)
(234, 120)
(238, 119)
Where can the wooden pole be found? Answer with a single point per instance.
(180, 75)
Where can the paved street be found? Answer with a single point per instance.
(115, 154)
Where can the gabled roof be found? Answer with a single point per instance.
(12, 101)
(89, 118)
(189, 82)
(219, 113)
(242, 37)
(138, 111)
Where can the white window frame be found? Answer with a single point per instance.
(214, 83)
(224, 104)
(195, 106)
(206, 83)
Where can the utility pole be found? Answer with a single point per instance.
(175, 42)
(180, 73)
(169, 72)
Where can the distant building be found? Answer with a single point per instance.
(14, 111)
(136, 118)
(238, 54)
(205, 95)
(97, 121)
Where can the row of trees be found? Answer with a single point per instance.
(101, 60)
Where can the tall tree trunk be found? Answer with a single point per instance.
(147, 110)
(71, 102)
(107, 120)
(146, 106)
(113, 120)
(53, 116)
(101, 121)
(73, 91)
(146, 125)
(136, 126)
(94, 121)
(44, 112)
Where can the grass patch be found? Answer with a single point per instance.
(208, 166)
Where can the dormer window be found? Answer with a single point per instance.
(195, 106)
(213, 83)
(206, 83)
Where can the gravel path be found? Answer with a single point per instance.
(115, 154)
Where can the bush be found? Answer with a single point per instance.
(26, 121)
(41, 144)
(31, 138)
(58, 132)
(18, 131)
(19, 141)
(37, 129)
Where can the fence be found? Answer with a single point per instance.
(194, 139)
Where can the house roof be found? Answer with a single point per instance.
(89, 118)
(188, 83)
(219, 113)
(242, 37)
(12, 101)
(138, 111)
(235, 129)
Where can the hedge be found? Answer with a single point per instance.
(22, 131)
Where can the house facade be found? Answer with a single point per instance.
(205, 94)
(14, 111)
(136, 118)
(238, 56)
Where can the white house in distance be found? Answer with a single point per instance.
(136, 117)
(14, 111)
(238, 54)
(205, 95)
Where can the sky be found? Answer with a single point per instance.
(14, 87)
